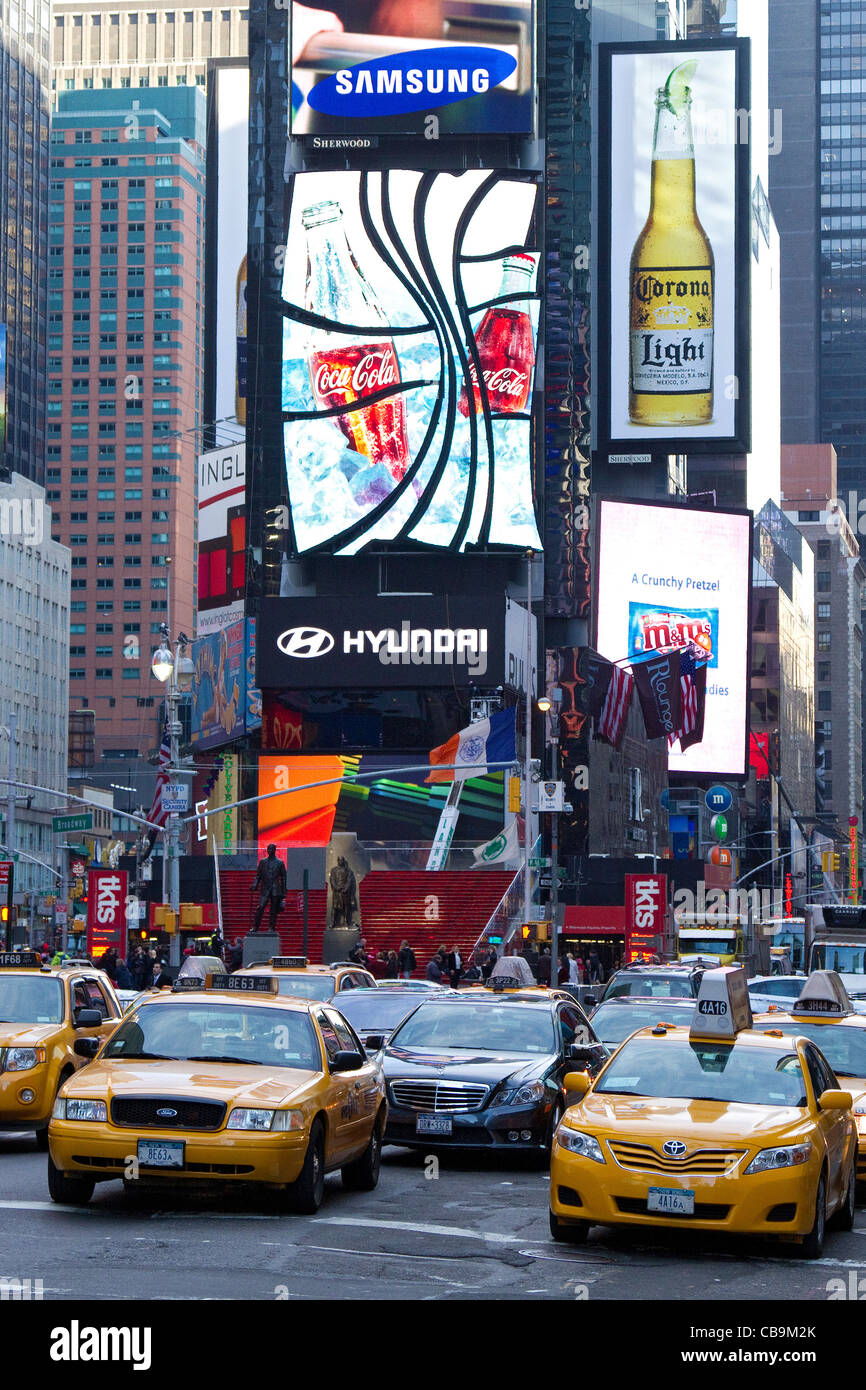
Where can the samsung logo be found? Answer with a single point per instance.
(414, 81)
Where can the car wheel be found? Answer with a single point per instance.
(69, 1191)
(844, 1218)
(573, 1234)
(305, 1194)
(813, 1243)
(363, 1174)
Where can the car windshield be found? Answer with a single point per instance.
(705, 1071)
(848, 960)
(651, 986)
(307, 986)
(612, 1023)
(478, 1027)
(201, 1032)
(376, 1009)
(844, 1047)
(708, 945)
(29, 999)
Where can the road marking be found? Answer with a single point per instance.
(426, 1229)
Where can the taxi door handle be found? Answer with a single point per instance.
(357, 1085)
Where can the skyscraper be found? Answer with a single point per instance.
(125, 360)
(102, 44)
(24, 39)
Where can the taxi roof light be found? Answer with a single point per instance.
(823, 993)
(724, 1008)
(243, 984)
(289, 962)
(20, 960)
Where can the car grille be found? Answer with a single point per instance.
(643, 1156)
(140, 1112)
(704, 1211)
(448, 1097)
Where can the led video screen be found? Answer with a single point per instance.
(410, 305)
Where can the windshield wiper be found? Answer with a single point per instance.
(251, 1061)
(138, 1056)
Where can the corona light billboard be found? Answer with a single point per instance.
(671, 576)
(430, 67)
(675, 262)
(410, 318)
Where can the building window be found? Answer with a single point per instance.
(823, 609)
(822, 581)
(823, 641)
(825, 699)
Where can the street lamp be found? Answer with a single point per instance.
(550, 705)
(178, 670)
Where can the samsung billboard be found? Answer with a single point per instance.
(670, 576)
(674, 271)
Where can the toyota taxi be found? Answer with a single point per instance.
(825, 1014)
(296, 977)
(43, 1011)
(715, 1127)
(218, 1081)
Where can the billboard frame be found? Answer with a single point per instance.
(642, 442)
(704, 780)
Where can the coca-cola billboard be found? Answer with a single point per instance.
(410, 309)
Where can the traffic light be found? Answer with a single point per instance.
(834, 863)
(524, 930)
(514, 794)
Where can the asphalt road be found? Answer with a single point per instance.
(477, 1231)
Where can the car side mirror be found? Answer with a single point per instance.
(86, 1018)
(346, 1061)
(835, 1100)
(589, 1001)
(576, 1084)
(374, 1042)
(86, 1047)
(587, 1055)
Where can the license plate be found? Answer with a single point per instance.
(433, 1124)
(671, 1201)
(168, 1154)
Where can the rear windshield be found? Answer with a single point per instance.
(651, 986)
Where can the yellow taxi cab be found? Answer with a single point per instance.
(223, 1080)
(714, 1128)
(825, 1014)
(512, 975)
(296, 977)
(43, 1011)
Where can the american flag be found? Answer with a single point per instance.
(157, 814)
(688, 697)
(614, 711)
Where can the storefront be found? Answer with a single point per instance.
(600, 929)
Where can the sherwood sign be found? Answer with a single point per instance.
(306, 643)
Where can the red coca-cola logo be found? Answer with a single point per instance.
(504, 380)
(371, 373)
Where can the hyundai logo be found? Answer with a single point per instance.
(305, 642)
(167, 1113)
(674, 1148)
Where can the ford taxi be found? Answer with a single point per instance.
(715, 1127)
(825, 1014)
(44, 1010)
(218, 1081)
(295, 976)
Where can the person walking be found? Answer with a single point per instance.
(434, 969)
(406, 960)
(392, 966)
(594, 967)
(573, 976)
(455, 965)
(543, 968)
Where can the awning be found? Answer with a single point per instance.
(594, 921)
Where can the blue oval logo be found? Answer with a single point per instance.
(421, 80)
(166, 1113)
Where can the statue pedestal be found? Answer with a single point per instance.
(260, 946)
(337, 942)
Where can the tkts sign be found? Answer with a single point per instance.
(413, 641)
(106, 911)
(645, 909)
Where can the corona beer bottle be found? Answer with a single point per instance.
(671, 279)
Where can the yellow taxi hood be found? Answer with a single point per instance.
(28, 1034)
(228, 1081)
(645, 1120)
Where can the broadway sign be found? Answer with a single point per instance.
(308, 643)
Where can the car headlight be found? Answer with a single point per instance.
(251, 1119)
(586, 1145)
(530, 1094)
(288, 1119)
(789, 1156)
(83, 1110)
(23, 1058)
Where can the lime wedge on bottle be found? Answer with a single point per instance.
(678, 85)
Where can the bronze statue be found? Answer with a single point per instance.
(344, 897)
(270, 884)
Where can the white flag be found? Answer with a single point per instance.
(503, 847)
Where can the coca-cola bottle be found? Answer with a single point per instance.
(346, 368)
(505, 347)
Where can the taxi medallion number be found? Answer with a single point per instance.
(160, 1154)
(434, 1124)
(671, 1201)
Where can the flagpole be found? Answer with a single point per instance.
(527, 757)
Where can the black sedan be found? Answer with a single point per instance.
(480, 1070)
(375, 1013)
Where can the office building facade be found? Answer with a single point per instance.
(105, 45)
